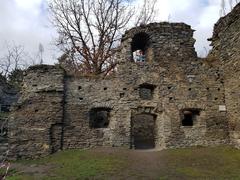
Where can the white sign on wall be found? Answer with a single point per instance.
(222, 108)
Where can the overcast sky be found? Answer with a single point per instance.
(26, 22)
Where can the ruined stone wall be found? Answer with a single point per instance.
(168, 43)
(193, 87)
(84, 94)
(225, 39)
(37, 113)
(182, 82)
(56, 110)
(226, 49)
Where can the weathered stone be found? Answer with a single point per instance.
(149, 101)
(226, 49)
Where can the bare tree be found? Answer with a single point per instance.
(89, 31)
(147, 13)
(13, 59)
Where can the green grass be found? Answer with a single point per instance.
(205, 163)
(73, 164)
(190, 163)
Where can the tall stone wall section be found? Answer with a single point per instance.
(35, 124)
(226, 49)
(179, 85)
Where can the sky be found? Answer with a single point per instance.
(26, 22)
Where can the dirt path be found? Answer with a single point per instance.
(142, 164)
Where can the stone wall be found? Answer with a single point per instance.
(55, 108)
(226, 43)
(33, 125)
(168, 43)
(196, 86)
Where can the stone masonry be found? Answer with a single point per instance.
(173, 99)
(226, 49)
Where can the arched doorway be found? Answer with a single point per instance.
(143, 131)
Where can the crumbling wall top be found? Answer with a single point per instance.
(162, 43)
(162, 27)
(43, 68)
(226, 21)
(226, 37)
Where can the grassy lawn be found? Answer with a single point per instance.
(113, 163)
(71, 164)
(204, 163)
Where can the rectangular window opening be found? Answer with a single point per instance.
(99, 117)
(146, 91)
(189, 117)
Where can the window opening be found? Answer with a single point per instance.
(189, 116)
(146, 91)
(99, 117)
(140, 44)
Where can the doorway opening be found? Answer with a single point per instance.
(143, 131)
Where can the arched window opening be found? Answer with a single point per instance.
(140, 43)
(99, 117)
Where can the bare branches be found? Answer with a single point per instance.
(13, 59)
(16, 58)
(147, 13)
(89, 30)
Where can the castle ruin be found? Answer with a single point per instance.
(168, 99)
